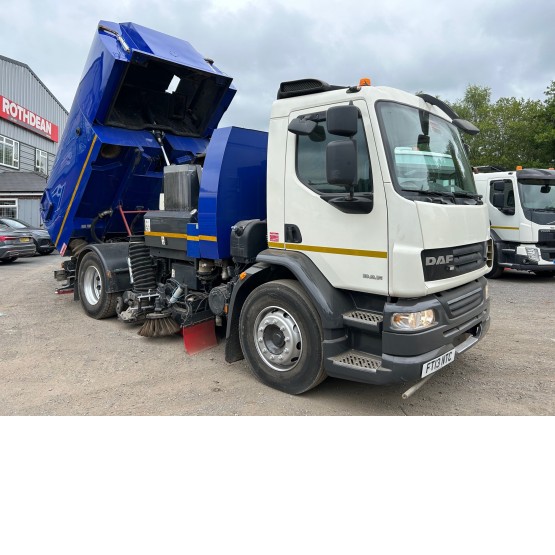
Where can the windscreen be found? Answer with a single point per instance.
(537, 194)
(425, 152)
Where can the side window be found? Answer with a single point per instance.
(41, 161)
(9, 152)
(311, 158)
(8, 208)
(508, 192)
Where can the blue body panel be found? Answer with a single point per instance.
(124, 93)
(233, 187)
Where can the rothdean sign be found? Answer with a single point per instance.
(25, 118)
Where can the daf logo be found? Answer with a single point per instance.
(436, 261)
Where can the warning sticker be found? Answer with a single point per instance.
(274, 237)
(63, 249)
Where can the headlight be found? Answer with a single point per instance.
(533, 254)
(486, 291)
(413, 320)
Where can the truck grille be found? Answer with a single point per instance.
(450, 262)
(465, 303)
(462, 300)
(546, 238)
(548, 254)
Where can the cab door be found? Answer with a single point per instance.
(505, 218)
(350, 249)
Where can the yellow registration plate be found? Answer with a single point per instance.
(24, 240)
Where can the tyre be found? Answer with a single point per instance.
(9, 260)
(43, 253)
(281, 337)
(96, 302)
(496, 270)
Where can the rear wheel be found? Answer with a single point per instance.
(281, 337)
(96, 302)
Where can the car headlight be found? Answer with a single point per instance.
(413, 320)
(533, 254)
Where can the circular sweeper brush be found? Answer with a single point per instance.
(159, 324)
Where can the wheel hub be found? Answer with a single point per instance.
(278, 338)
(92, 285)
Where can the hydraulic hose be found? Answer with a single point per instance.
(99, 216)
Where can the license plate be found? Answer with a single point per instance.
(437, 363)
(24, 240)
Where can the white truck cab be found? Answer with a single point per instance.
(372, 206)
(521, 207)
(416, 200)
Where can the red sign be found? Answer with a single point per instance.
(25, 118)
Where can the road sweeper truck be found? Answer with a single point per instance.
(521, 207)
(347, 241)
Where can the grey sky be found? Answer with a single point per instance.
(435, 46)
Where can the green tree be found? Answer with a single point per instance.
(512, 131)
(545, 138)
(476, 107)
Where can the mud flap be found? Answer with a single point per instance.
(199, 337)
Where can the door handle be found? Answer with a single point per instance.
(293, 234)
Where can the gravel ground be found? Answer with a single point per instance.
(54, 360)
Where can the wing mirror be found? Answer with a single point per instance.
(341, 156)
(341, 163)
(498, 200)
(342, 120)
(302, 126)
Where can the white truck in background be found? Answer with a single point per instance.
(521, 207)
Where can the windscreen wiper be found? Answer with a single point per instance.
(474, 196)
(467, 194)
(447, 194)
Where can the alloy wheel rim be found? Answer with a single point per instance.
(278, 338)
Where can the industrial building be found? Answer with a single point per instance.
(32, 121)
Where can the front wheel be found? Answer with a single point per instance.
(496, 270)
(96, 302)
(9, 260)
(281, 337)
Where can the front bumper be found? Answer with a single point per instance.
(531, 267)
(463, 319)
(409, 369)
(516, 258)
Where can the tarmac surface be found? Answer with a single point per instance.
(54, 360)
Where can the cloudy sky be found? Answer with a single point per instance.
(437, 46)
